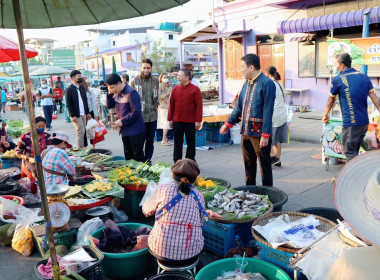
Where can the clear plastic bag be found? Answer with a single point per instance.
(119, 216)
(150, 189)
(87, 228)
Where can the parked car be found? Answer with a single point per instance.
(209, 82)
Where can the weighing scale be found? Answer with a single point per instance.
(58, 208)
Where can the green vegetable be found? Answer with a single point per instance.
(15, 200)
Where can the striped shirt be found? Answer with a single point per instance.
(57, 160)
(169, 234)
(25, 147)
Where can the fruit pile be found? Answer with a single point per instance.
(201, 182)
(127, 176)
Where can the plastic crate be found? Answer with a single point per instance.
(159, 133)
(130, 203)
(279, 258)
(213, 135)
(216, 125)
(11, 162)
(66, 238)
(93, 272)
(219, 237)
(200, 138)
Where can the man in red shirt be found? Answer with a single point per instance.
(185, 114)
(58, 96)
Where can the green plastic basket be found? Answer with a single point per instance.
(125, 265)
(66, 238)
(215, 269)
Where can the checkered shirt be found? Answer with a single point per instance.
(169, 234)
(57, 160)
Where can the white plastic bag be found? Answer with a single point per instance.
(17, 214)
(91, 124)
(150, 189)
(87, 228)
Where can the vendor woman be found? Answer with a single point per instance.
(56, 164)
(24, 148)
(180, 213)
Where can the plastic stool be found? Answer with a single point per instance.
(189, 266)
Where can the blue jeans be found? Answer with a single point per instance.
(150, 130)
(48, 113)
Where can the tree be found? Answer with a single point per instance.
(163, 61)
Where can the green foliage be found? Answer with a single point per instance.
(162, 60)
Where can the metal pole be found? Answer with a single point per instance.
(33, 133)
(365, 34)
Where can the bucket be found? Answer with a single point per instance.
(235, 134)
(11, 197)
(125, 265)
(268, 270)
(101, 151)
(276, 196)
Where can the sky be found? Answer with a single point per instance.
(194, 9)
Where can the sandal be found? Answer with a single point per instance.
(165, 143)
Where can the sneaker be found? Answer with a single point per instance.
(278, 163)
(273, 159)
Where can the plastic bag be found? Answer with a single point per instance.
(150, 189)
(91, 124)
(87, 228)
(100, 130)
(10, 212)
(119, 216)
(22, 240)
(26, 185)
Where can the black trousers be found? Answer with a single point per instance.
(251, 153)
(352, 139)
(134, 147)
(187, 129)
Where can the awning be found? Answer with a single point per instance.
(341, 20)
(202, 29)
(219, 35)
(302, 38)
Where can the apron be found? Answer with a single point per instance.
(189, 227)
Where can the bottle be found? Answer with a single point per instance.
(238, 243)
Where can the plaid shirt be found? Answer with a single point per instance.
(25, 147)
(57, 160)
(169, 234)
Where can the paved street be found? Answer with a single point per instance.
(302, 175)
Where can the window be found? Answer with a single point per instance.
(306, 60)
(129, 57)
(171, 37)
(113, 43)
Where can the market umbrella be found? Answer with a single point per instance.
(9, 50)
(113, 66)
(103, 70)
(47, 14)
(49, 70)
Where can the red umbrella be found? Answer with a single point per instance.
(9, 50)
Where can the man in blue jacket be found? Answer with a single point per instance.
(254, 109)
(130, 122)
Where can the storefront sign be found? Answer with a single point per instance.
(363, 51)
(64, 58)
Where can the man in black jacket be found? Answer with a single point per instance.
(77, 107)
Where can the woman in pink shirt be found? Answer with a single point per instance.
(180, 212)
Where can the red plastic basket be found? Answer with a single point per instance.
(141, 188)
(11, 197)
(88, 206)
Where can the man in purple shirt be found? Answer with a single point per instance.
(130, 122)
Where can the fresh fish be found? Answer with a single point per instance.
(218, 197)
(241, 215)
(223, 192)
(222, 205)
(226, 199)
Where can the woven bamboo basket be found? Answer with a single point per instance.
(325, 225)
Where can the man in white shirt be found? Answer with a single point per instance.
(77, 107)
(45, 94)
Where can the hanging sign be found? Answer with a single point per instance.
(363, 51)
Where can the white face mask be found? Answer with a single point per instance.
(165, 80)
(44, 85)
